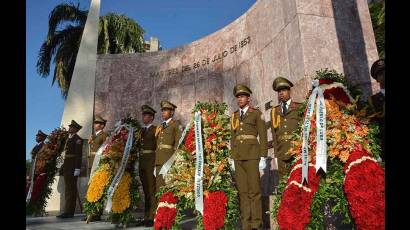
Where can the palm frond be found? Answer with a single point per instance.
(52, 44)
(63, 13)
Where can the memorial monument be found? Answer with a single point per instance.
(292, 38)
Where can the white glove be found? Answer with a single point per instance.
(155, 169)
(76, 172)
(262, 164)
(232, 164)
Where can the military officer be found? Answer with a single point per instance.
(95, 141)
(376, 101)
(71, 168)
(249, 156)
(285, 119)
(147, 145)
(40, 138)
(167, 135)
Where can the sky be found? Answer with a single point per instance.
(174, 22)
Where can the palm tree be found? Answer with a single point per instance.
(116, 34)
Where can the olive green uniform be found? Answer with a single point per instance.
(148, 145)
(167, 139)
(72, 160)
(95, 144)
(282, 133)
(246, 151)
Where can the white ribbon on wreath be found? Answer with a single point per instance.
(321, 145)
(124, 160)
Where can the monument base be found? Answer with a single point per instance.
(55, 204)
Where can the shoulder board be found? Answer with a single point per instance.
(276, 106)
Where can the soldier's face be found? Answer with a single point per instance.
(147, 118)
(166, 114)
(98, 126)
(242, 100)
(71, 129)
(283, 95)
(39, 139)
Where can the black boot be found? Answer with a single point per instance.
(148, 223)
(65, 215)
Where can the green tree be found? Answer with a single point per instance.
(377, 14)
(116, 34)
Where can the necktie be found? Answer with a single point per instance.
(284, 109)
(145, 129)
(164, 124)
(241, 114)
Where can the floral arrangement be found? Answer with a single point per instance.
(126, 195)
(44, 171)
(220, 196)
(354, 181)
(166, 211)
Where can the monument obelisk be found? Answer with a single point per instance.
(79, 105)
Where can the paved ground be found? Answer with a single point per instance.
(52, 223)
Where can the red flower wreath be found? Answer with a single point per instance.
(166, 211)
(215, 210)
(190, 140)
(294, 209)
(364, 188)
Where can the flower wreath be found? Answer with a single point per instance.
(126, 195)
(354, 181)
(220, 196)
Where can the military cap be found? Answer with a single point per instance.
(241, 89)
(99, 119)
(148, 109)
(75, 125)
(377, 67)
(40, 133)
(168, 105)
(281, 83)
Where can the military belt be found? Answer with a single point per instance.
(245, 137)
(70, 155)
(143, 151)
(165, 146)
(284, 137)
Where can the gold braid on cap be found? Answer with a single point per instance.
(275, 120)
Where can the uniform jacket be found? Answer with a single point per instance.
(282, 133)
(169, 136)
(252, 124)
(73, 154)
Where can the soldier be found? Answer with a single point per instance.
(71, 168)
(40, 138)
(167, 136)
(147, 145)
(248, 153)
(95, 141)
(285, 119)
(376, 101)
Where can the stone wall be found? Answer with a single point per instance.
(293, 38)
